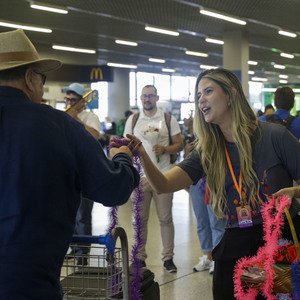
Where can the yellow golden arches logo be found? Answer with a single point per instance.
(96, 74)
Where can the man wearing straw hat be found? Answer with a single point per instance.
(45, 168)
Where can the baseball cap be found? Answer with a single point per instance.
(76, 88)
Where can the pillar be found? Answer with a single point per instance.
(236, 55)
(118, 94)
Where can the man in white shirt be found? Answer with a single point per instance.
(151, 128)
(83, 223)
(75, 92)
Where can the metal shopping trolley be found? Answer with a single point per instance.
(103, 273)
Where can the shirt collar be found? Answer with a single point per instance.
(159, 113)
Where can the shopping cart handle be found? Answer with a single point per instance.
(107, 240)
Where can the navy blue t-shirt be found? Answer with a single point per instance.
(276, 161)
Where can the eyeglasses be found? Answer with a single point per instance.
(148, 96)
(71, 99)
(43, 76)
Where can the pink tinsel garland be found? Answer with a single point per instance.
(272, 223)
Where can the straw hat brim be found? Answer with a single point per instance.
(16, 50)
(44, 65)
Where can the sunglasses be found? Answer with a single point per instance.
(71, 99)
(43, 76)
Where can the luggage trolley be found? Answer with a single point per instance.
(101, 274)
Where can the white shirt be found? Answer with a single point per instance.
(152, 131)
(90, 119)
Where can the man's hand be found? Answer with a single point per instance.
(158, 149)
(76, 109)
(123, 149)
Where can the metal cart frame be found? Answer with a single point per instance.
(103, 272)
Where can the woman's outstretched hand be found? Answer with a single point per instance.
(135, 144)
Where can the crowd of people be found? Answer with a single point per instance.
(53, 168)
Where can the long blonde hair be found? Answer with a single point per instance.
(211, 140)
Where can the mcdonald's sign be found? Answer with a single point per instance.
(96, 74)
(89, 73)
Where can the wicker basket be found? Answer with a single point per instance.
(283, 278)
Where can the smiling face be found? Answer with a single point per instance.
(149, 98)
(214, 103)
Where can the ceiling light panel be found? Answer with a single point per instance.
(160, 30)
(73, 49)
(222, 17)
(168, 70)
(127, 43)
(118, 65)
(50, 8)
(25, 27)
(214, 41)
(157, 60)
(287, 33)
(196, 53)
(287, 55)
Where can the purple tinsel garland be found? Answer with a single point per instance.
(138, 225)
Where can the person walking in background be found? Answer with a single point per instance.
(284, 99)
(47, 162)
(269, 110)
(243, 159)
(121, 123)
(83, 224)
(210, 229)
(150, 126)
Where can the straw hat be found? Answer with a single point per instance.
(17, 50)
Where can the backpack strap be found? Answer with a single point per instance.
(272, 117)
(134, 120)
(168, 123)
(289, 120)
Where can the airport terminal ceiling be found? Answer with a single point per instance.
(96, 24)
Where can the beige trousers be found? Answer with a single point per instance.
(163, 204)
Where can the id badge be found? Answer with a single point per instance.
(244, 216)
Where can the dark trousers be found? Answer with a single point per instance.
(235, 244)
(83, 223)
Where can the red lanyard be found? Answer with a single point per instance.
(238, 186)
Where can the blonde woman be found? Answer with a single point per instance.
(243, 159)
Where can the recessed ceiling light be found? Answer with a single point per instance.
(252, 62)
(117, 65)
(161, 30)
(196, 53)
(283, 76)
(283, 81)
(25, 27)
(271, 90)
(287, 55)
(157, 60)
(214, 41)
(279, 67)
(251, 72)
(73, 49)
(127, 43)
(259, 79)
(50, 8)
(287, 33)
(223, 17)
(168, 70)
(205, 67)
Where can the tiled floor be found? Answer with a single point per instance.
(185, 284)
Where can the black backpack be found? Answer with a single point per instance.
(274, 118)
